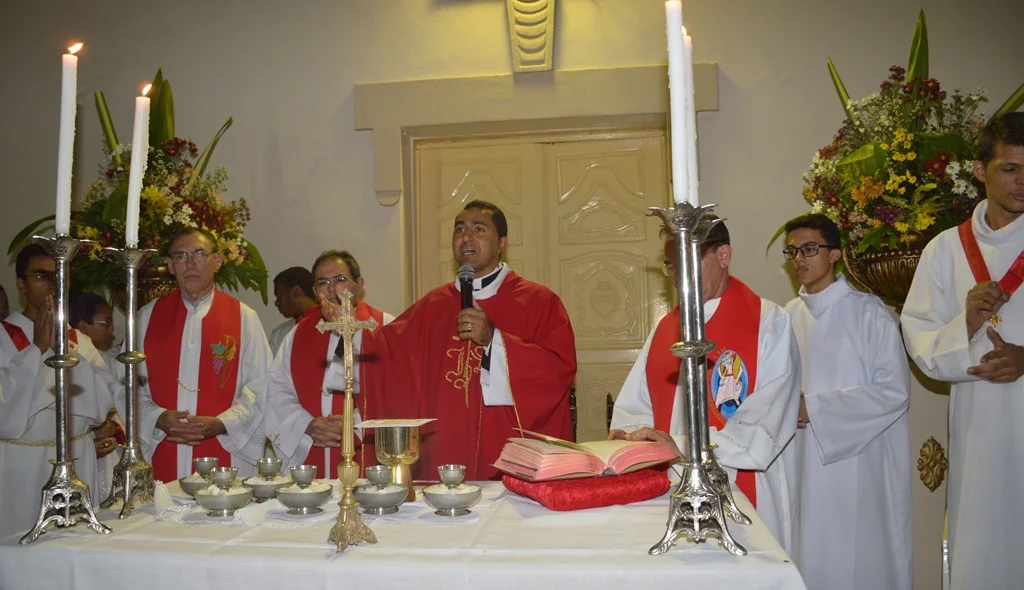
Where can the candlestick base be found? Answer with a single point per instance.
(720, 482)
(695, 511)
(350, 528)
(133, 481)
(65, 501)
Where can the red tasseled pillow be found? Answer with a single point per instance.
(592, 492)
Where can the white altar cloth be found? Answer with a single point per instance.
(515, 543)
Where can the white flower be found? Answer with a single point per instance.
(960, 187)
(952, 169)
(168, 220)
(818, 207)
(972, 192)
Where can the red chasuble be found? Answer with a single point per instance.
(218, 369)
(416, 367)
(735, 330)
(1014, 275)
(309, 364)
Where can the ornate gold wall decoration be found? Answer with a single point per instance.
(531, 29)
(932, 464)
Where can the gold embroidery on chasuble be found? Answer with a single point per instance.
(467, 356)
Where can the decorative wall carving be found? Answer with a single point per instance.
(605, 294)
(932, 464)
(531, 31)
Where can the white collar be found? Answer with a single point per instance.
(818, 302)
(994, 237)
(479, 292)
(204, 302)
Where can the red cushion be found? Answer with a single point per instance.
(592, 492)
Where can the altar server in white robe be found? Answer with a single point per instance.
(964, 323)
(27, 419)
(853, 523)
(202, 346)
(303, 421)
(753, 421)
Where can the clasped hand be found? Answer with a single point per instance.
(326, 430)
(185, 429)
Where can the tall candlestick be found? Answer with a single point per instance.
(66, 140)
(681, 111)
(691, 122)
(140, 153)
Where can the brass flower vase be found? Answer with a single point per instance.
(885, 274)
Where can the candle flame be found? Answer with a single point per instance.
(74, 48)
(145, 90)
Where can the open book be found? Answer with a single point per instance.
(553, 458)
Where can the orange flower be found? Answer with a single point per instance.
(869, 190)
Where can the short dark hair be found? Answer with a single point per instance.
(717, 237)
(344, 255)
(1007, 128)
(816, 221)
(296, 276)
(27, 253)
(83, 306)
(497, 215)
(187, 232)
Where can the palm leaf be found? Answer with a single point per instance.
(1013, 103)
(917, 66)
(108, 125)
(258, 265)
(117, 204)
(204, 158)
(24, 234)
(161, 116)
(867, 160)
(844, 96)
(778, 234)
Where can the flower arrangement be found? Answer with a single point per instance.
(899, 170)
(178, 193)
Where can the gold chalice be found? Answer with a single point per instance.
(399, 447)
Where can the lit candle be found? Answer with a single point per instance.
(681, 112)
(140, 153)
(66, 141)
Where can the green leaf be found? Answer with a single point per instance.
(917, 66)
(867, 160)
(778, 234)
(25, 234)
(258, 264)
(932, 143)
(117, 204)
(844, 96)
(155, 124)
(1013, 103)
(161, 117)
(107, 124)
(204, 158)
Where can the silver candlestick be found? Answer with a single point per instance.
(65, 497)
(698, 505)
(133, 475)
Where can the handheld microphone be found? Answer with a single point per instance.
(466, 285)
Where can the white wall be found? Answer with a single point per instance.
(285, 72)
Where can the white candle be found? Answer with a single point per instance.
(140, 153)
(680, 81)
(691, 122)
(66, 139)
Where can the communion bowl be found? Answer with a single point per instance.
(190, 487)
(266, 489)
(303, 474)
(221, 502)
(268, 467)
(204, 465)
(305, 500)
(451, 502)
(451, 474)
(222, 477)
(380, 499)
(379, 475)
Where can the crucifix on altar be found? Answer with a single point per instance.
(350, 528)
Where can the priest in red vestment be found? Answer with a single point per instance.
(202, 346)
(484, 371)
(304, 416)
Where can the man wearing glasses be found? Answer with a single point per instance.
(753, 384)
(852, 446)
(305, 417)
(27, 435)
(202, 346)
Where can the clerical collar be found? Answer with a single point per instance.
(818, 302)
(199, 303)
(487, 286)
(483, 282)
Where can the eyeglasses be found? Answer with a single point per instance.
(195, 255)
(668, 268)
(43, 276)
(808, 250)
(327, 282)
(107, 323)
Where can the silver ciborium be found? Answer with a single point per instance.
(300, 499)
(380, 496)
(205, 465)
(399, 447)
(225, 499)
(451, 497)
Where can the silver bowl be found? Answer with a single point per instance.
(269, 466)
(379, 475)
(191, 487)
(303, 502)
(223, 505)
(223, 477)
(452, 501)
(380, 499)
(264, 489)
(204, 465)
(451, 474)
(303, 474)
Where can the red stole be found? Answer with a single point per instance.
(218, 369)
(735, 326)
(1013, 277)
(21, 341)
(308, 365)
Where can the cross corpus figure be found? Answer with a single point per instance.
(350, 529)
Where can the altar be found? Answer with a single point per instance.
(508, 542)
